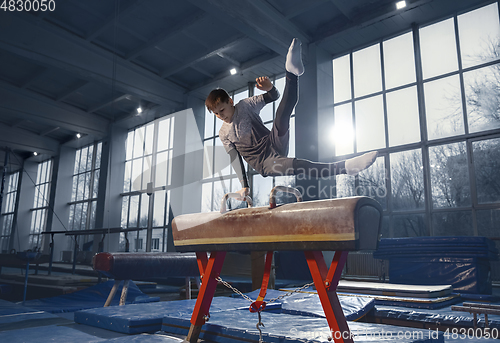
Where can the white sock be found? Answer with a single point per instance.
(357, 164)
(293, 62)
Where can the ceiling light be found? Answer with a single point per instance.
(35, 153)
(78, 135)
(233, 71)
(139, 110)
(400, 4)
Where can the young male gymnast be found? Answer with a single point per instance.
(243, 133)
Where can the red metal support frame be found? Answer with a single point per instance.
(326, 282)
(211, 271)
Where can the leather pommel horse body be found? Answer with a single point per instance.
(340, 225)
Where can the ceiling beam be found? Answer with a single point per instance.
(108, 103)
(302, 7)
(247, 19)
(223, 46)
(37, 108)
(366, 19)
(18, 139)
(166, 34)
(55, 48)
(229, 59)
(36, 76)
(278, 18)
(75, 88)
(343, 8)
(110, 20)
(49, 131)
(245, 67)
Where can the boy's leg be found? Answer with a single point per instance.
(351, 166)
(294, 68)
(281, 166)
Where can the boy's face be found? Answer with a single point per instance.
(224, 111)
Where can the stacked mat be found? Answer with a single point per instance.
(297, 318)
(463, 262)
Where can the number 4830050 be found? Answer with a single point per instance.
(28, 5)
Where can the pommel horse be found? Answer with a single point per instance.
(340, 225)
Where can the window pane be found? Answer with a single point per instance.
(240, 96)
(479, 32)
(409, 225)
(159, 209)
(342, 78)
(144, 215)
(96, 184)
(370, 127)
(125, 200)
(208, 158)
(486, 155)
(220, 188)
(291, 143)
(267, 112)
(206, 197)
(345, 186)
(89, 157)
(92, 215)
(209, 124)
(449, 175)
(134, 211)
(148, 139)
(161, 169)
(488, 222)
(443, 107)
(98, 156)
(164, 134)
(280, 85)
(372, 182)
(222, 165)
(407, 180)
(146, 174)
(343, 133)
(452, 224)
(367, 71)
(399, 61)
(139, 142)
(127, 177)
(83, 161)
(136, 174)
(482, 94)
(402, 117)
(262, 187)
(438, 48)
(130, 145)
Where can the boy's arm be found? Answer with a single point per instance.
(239, 168)
(271, 95)
(264, 84)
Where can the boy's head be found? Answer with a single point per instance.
(220, 103)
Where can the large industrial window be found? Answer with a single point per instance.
(219, 177)
(8, 212)
(428, 101)
(40, 204)
(84, 192)
(149, 152)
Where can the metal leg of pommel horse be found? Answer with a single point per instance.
(326, 282)
(210, 269)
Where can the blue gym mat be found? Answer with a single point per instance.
(138, 318)
(91, 297)
(148, 317)
(14, 313)
(64, 334)
(226, 327)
